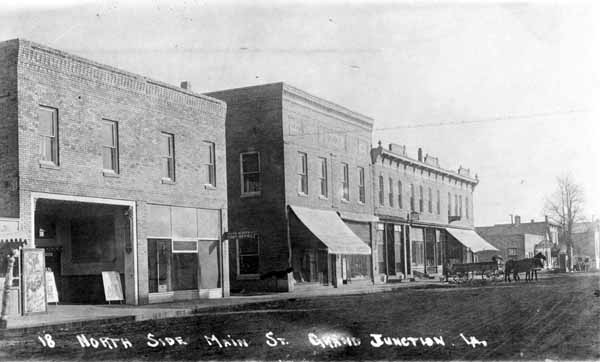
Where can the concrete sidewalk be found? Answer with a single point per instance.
(73, 316)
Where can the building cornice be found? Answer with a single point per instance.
(299, 96)
(383, 153)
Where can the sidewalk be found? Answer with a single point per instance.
(72, 316)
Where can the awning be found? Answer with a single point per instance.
(13, 237)
(471, 240)
(354, 216)
(330, 230)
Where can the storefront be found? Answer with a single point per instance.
(392, 251)
(12, 240)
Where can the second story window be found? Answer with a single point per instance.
(361, 185)
(412, 197)
(168, 156)
(429, 201)
(400, 194)
(302, 173)
(48, 119)
(110, 146)
(456, 204)
(381, 190)
(250, 168)
(210, 164)
(449, 205)
(460, 206)
(467, 206)
(391, 191)
(323, 177)
(345, 182)
(437, 205)
(421, 207)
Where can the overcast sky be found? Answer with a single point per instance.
(504, 89)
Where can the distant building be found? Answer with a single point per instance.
(426, 215)
(586, 245)
(519, 240)
(111, 171)
(299, 189)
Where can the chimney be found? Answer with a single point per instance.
(420, 155)
(532, 221)
(517, 220)
(546, 218)
(187, 85)
(512, 221)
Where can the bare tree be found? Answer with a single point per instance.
(565, 207)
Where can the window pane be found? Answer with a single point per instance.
(248, 246)
(185, 271)
(108, 136)
(249, 264)
(166, 165)
(250, 162)
(46, 119)
(251, 182)
(46, 151)
(107, 158)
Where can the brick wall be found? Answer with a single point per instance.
(9, 169)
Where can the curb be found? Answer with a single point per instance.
(15, 332)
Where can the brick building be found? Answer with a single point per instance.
(519, 240)
(426, 215)
(111, 171)
(586, 245)
(299, 194)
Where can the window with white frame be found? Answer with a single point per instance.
(429, 200)
(48, 129)
(400, 194)
(168, 156)
(323, 177)
(467, 206)
(250, 169)
(210, 163)
(345, 182)
(302, 173)
(361, 185)
(248, 251)
(110, 146)
(391, 192)
(381, 194)
(438, 206)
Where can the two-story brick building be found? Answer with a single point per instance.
(111, 171)
(300, 203)
(426, 215)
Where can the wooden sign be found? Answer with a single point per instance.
(34, 281)
(51, 291)
(112, 286)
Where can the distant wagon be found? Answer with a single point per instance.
(460, 273)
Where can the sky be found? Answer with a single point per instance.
(506, 89)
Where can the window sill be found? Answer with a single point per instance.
(345, 201)
(250, 194)
(302, 194)
(167, 181)
(321, 197)
(248, 277)
(209, 187)
(110, 173)
(49, 165)
(360, 202)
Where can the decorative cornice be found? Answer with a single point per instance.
(36, 56)
(295, 94)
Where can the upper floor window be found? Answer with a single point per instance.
(250, 168)
(361, 185)
(381, 190)
(391, 191)
(421, 207)
(412, 197)
(512, 252)
(345, 182)
(456, 204)
(210, 163)
(302, 173)
(48, 119)
(429, 201)
(438, 208)
(460, 205)
(449, 205)
(400, 194)
(168, 156)
(323, 177)
(467, 206)
(110, 146)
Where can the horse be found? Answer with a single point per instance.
(528, 266)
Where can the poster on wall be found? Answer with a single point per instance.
(112, 286)
(34, 281)
(51, 291)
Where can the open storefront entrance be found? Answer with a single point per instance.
(80, 241)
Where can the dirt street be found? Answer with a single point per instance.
(557, 317)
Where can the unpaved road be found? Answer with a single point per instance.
(557, 317)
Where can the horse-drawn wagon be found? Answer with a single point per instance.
(460, 273)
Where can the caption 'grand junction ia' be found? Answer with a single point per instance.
(109, 179)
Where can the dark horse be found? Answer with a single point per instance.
(528, 266)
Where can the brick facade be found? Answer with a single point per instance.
(85, 93)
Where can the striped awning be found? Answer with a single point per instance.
(17, 237)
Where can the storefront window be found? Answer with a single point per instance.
(417, 241)
(248, 255)
(172, 266)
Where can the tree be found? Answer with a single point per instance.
(565, 207)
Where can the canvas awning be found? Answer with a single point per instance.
(471, 240)
(353, 216)
(329, 228)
